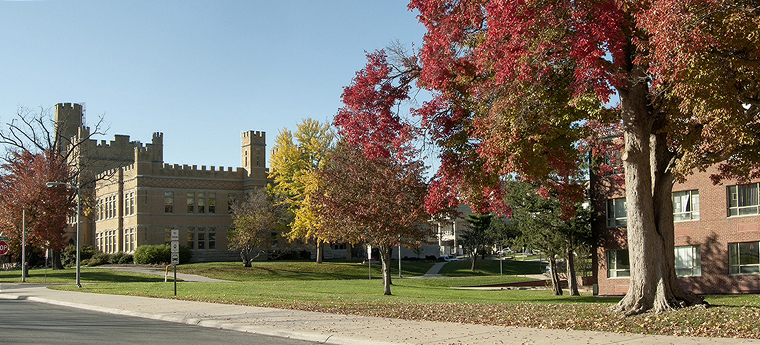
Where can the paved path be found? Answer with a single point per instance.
(433, 271)
(330, 328)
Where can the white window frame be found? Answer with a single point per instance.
(743, 200)
(746, 263)
(615, 260)
(614, 218)
(688, 261)
(685, 205)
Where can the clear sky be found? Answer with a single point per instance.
(201, 72)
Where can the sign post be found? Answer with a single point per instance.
(369, 260)
(175, 256)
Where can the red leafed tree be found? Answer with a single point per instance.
(23, 179)
(512, 81)
(379, 201)
(372, 188)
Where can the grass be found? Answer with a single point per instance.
(86, 275)
(491, 267)
(338, 287)
(299, 270)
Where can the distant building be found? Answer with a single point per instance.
(137, 198)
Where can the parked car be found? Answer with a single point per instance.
(448, 258)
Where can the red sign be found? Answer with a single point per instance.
(3, 247)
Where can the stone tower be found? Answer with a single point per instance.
(68, 120)
(253, 151)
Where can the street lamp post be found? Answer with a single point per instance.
(23, 241)
(79, 203)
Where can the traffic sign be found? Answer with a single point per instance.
(175, 247)
(175, 259)
(175, 235)
(3, 247)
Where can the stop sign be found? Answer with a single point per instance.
(3, 247)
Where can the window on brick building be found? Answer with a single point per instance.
(212, 203)
(616, 213)
(168, 202)
(211, 238)
(744, 258)
(201, 203)
(618, 265)
(201, 238)
(190, 238)
(688, 261)
(686, 205)
(742, 200)
(190, 202)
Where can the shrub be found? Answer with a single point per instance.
(68, 256)
(99, 258)
(126, 259)
(116, 257)
(159, 254)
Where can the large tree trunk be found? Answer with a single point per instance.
(245, 255)
(648, 187)
(554, 274)
(56, 262)
(385, 257)
(348, 252)
(572, 280)
(320, 250)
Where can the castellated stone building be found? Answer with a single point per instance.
(137, 199)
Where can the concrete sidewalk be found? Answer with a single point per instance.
(329, 328)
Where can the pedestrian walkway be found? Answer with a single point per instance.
(433, 271)
(330, 328)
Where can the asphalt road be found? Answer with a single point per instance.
(23, 322)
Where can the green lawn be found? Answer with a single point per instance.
(339, 287)
(300, 270)
(491, 267)
(68, 276)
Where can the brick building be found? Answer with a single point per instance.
(137, 199)
(717, 236)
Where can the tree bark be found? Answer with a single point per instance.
(320, 249)
(474, 258)
(556, 287)
(572, 280)
(348, 252)
(648, 187)
(56, 262)
(385, 257)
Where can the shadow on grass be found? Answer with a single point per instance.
(491, 267)
(86, 275)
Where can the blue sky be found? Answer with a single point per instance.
(198, 71)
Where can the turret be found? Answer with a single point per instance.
(253, 145)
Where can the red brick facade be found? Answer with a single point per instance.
(712, 233)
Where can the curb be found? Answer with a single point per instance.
(268, 331)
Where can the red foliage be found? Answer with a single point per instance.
(24, 177)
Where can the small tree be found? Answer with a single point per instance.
(477, 236)
(379, 201)
(254, 220)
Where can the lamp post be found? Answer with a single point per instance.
(23, 241)
(79, 202)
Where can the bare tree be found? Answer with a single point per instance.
(254, 221)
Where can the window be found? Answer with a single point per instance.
(168, 236)
(129, 240)
(231, 200)
(100, 210)
(168, 202)
(686, 205)
(129, 203)
(744, 258)
(212, 203)
(201, 238)
(190, 238)
(688, 261)
(274, 237)
(616, 213)
(201, 203)
(742, 200)
(618, 265)
(211, 239)
(190, 202)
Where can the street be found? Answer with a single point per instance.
(23, 322)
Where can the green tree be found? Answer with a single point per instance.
(477, 236)
(295, 157)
